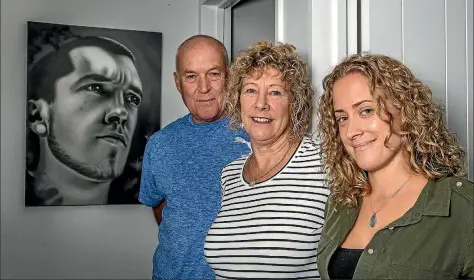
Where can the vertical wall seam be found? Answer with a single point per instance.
(365, 25)
(403, 32)
(348, 28)
(468, 123)
(359, 26)
(281, 21)
(446, 62)
(334, 30)
(199, 19)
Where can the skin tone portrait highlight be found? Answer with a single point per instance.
(400, 207)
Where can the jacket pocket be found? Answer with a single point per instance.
(400, 270)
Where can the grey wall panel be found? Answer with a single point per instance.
(424, 43)
(470, 77)
(252, 21)
(456, 94)
(436, 41)
(386, 30)
(296, 28)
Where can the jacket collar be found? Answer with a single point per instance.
(437, 198)
(434, 200)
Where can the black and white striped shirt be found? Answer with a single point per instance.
(270, 230)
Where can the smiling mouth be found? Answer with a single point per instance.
(363, 146)
(205, 101)
(261, 120)
(114, 138)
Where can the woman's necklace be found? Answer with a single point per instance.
(254, 180)
(373, 218)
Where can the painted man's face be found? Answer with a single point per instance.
(95, 112)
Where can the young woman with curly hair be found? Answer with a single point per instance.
(399, 207)
(273, 200)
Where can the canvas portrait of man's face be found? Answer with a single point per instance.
(93, 100)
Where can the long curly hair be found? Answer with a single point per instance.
(433, 151)
(295, 75)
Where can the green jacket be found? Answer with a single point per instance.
(433, 240)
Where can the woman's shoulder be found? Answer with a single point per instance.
(236, 163)
(337, 209)
(309, 145)
(461, 186)
(311, 141)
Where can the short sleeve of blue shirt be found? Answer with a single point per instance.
(150, 193)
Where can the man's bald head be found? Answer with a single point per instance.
(201, 40)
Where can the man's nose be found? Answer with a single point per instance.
(204, 84)
(117, 113)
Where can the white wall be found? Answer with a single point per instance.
(434, 38)
(294, 25)
(100, 242)
(318, 29)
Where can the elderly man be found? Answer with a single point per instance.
(83, 100)
(183, 162)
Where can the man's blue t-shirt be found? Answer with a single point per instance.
(182, 164)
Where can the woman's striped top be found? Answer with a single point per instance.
(270, 230)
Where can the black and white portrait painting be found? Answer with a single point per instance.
(93, 99)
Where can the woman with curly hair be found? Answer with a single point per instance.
(399, 207)
(273, 200)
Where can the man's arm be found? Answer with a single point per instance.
(150, 194)
(158, 211)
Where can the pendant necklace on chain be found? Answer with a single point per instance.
(373, 218)
(253, 181)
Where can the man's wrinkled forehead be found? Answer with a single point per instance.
(95, 60)
(198, 47)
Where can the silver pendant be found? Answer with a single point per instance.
(252, 183)
(373, 220)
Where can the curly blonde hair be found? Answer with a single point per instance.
(295, 75)
(433, 151)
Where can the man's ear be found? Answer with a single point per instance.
(177, 82)
(39, 116)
